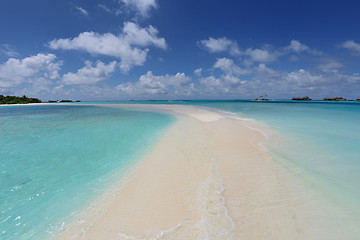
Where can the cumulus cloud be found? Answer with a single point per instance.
(316, 83)
(142, 7)
(229, 67)
(82, 11)
(228, 82)
(323, 80)
(217, 86)
(129, 46)
(89, 74)
(297, 46)
(214, 45)
(252, 55)
(198, 71)
(352, 46)
(149, 84)
(16, 71)
(261, 55)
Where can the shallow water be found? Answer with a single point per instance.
(55, 159)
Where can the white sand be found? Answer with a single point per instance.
(207, 178)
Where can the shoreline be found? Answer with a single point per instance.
(219, 184)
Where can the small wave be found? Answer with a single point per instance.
(152, 235)
(216, 223)
(249, 123)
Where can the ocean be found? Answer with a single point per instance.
(54, 160)
(51, 155)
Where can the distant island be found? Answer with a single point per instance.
(18, 100)
(307, 98)
(262, 98)
(335, 99)
(338, 99)
(62, 101)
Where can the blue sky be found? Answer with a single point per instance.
(157, 49)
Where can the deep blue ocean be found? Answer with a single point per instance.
(54, 159)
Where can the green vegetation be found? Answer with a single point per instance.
(17, 100)
(306, 98)
(262, 98)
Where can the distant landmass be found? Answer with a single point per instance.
(307, 98)
(62, 101)
(335, 99)
(18, 100)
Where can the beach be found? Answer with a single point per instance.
(207, 178)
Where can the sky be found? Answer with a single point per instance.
(99, 50)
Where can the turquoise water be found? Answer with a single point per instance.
(55, 159)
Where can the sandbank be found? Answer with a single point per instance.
(207, 178)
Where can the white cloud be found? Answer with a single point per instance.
(262, 79)
(261, 55)
(266, 54)
(214, 45)
(104, 7)
(149, 84)
(217, 86)
(16, 71)
(198, 71)
(8, 50)
(250, 54)
(82, 11)
(109, 10)
(329, 64)
(303, 78)
(297, 46)
(125, 46)
(212, 82)
(302, 82)
(143, 7)
(229, 67)
(89, 74)
(351, 45)
(228, 82)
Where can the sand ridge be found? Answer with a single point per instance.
(207, 178)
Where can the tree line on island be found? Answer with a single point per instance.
(336, 99)
(26, 100)
(18, 100)
(307, 98)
